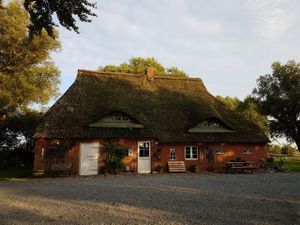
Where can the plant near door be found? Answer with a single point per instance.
(114, 154)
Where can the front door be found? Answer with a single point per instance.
(88, 164)
(144, 157)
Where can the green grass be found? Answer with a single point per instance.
(15, 173)
(292, 163)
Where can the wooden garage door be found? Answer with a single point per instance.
(89, 153)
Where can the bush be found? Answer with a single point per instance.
(288, 149)
(274, 149)
(114, 154)
(193, 168)
(158, 168)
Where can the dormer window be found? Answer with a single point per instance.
(117, 120)
(211, 125)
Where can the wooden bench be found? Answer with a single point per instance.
(176, 166)
(240, 166)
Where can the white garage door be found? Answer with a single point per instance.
(89, 153)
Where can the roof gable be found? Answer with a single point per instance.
(211, 125)
(116, 120)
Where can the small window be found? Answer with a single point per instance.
(220, 152)
(130, 152)
(172, 154)
(191, 152)
(247, 151)
(144, 149)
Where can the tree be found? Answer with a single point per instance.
(41, 14)
(278, 96)
(138, 65)
(27, 74)
(248, 109)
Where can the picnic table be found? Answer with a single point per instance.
(239, 166)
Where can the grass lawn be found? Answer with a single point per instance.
(292, 163)
(15, 173)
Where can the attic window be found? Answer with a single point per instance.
(211, 125)
(117, 120)
(116, 117)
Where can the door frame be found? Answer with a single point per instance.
(138, 156)
(88, 143)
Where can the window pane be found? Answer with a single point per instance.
(187, 154)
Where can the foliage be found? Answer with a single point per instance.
(27, 75)
(41, 14)
(248, 109)
(114, 154)
(193, 168)
(16, 140)
(158, 168)
(285, 149)
(17, 131)
(138, 65)
(274, 149)
(288, 149)
(278, 97)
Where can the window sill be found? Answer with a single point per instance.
(191, 159)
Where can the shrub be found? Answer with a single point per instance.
(114, 154)
(193, 168)
(158, 168)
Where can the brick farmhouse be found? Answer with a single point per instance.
(159, 119)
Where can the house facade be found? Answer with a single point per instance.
(158, 119)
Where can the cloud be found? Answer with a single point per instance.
(274, 18)
(226, 43)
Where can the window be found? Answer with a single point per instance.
(172, 154)
(130, 152)
(144, 149)
(220, 152)
(247, 151)
(191, 152)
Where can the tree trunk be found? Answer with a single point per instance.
(297, 141)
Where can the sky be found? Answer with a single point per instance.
(226, 43)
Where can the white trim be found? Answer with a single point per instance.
(191, 152)
(249, 152)
(144, 158)
(220, 153)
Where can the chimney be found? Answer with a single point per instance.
(150, 73)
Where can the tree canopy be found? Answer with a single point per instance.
(42, 11)
(278, 95)
(27, 74)
(138, 65)
(248, 108)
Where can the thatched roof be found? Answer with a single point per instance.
(166, 107)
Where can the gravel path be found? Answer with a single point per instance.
(153, 199)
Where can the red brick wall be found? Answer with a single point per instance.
(41, 164)
(231, 151)
(160, 153)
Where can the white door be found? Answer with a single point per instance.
(88, 158)
(144, 157)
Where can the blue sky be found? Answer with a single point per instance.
(226, 43)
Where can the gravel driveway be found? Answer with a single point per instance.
(153, 199)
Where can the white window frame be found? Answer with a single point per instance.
(220, 152)
(247, 151)
(191, 152)
(172, 150)
(130, 152)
